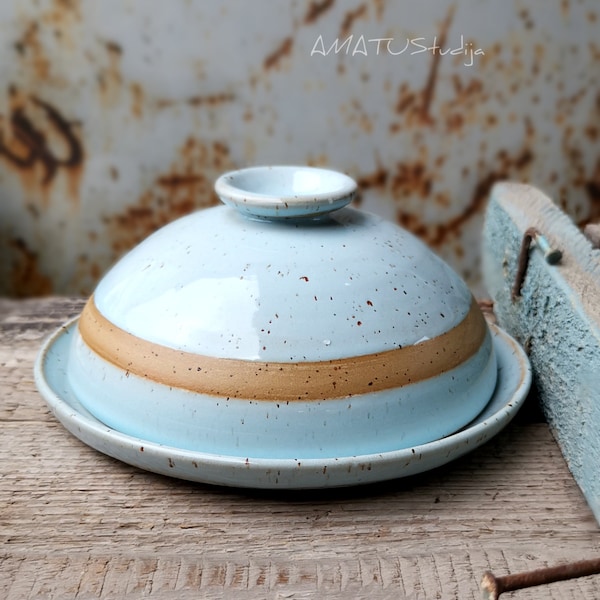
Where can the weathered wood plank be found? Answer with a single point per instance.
(75, 524)
(556, 316)
(56, 490)
(191, 576)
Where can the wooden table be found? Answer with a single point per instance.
(77, 524)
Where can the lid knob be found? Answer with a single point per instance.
(285, 192)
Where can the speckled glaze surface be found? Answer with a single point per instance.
(514, 379)
(312, 331)
(218, 283)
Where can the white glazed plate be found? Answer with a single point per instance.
(514, 379)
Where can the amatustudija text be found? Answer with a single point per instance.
(351, 46)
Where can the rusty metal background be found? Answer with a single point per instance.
(117, 116)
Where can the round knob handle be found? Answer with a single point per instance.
(285, 192)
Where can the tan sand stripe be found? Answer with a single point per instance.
(282, 381)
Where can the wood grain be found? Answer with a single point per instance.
(75, 524)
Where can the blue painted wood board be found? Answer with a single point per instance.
(556, 319)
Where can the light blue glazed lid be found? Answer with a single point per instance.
(283, 272)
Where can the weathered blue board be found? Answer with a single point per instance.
(556, 318)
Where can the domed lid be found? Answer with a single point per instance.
(286, 273)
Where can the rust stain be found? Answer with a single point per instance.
(86, 273)
(350, 18)
(109, 77)
(284, 49)
(413, 106)
(185, 187)
(25, 278)
(316, 10)
(273, 60)
(578, 175)
(31, 50)
(137, 100)
(429, 89)
(63, 16)
(175, 181)
(413, 179)
(379, 8)
(406, 98)
(455, 121)
(319, 160)
(526, 18)
(200, 100)
(469, 96)
(377, 179)
(211, 99)
(592, 186)
(40, 140)
(71, 7)
(114, 48)
(356, 115)
(592, 189)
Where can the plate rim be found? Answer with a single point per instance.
(283, 473)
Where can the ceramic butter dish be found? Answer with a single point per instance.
(283, 325)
